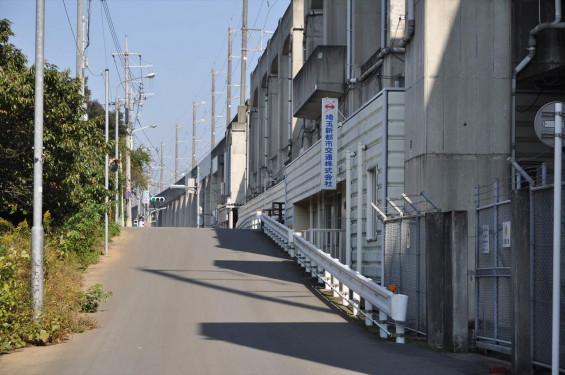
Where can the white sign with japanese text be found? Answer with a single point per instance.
(329, 143)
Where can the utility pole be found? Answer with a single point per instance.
(243, 57)
(213, 122)
(197, 198)
(176, 153)
(80, 47)
(37, 233)
(162, 167)
(193, 134)
(129, 194)
(128, 123)
(117, 215)
(106, 156)
(228, 91)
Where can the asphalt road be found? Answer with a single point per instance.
(206, 301)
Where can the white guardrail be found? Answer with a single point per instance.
(342, 279)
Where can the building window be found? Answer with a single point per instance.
(372, 197)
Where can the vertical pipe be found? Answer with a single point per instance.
(384, 188)
(544, 174)
(349, 40)
(37, 233)
(106, 156)
(348, 208)
(117, 214)
(383, 23)
(555, 327)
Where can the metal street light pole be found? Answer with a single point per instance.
(106, 158)
(117, 214)
(37, 232)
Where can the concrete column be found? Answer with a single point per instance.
(446, 270)
(520, 265)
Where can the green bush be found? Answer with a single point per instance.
(82, 233)
(91, 298)
(66, 252)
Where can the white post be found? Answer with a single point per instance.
(556, 239)
(345, 290)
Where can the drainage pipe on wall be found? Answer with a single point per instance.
(384, 182)
(410, 24)
(408, 33)
(556, 24)
(349, 53)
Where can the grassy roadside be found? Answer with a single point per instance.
(68, 251)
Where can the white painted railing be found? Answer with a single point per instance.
(343, 280)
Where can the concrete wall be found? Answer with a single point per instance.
(458, 81)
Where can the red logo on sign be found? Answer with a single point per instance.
(329, 106)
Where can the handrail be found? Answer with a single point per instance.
(327, 269)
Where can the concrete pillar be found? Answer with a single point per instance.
(446, 270)
(458, 95)
(520, 265)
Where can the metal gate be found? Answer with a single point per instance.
(493, 282)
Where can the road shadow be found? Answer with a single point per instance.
(281, 270)
(226, 289)
(339, 345)
(249, 241)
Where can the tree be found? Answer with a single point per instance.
(73, 148)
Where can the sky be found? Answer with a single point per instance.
(183, 40)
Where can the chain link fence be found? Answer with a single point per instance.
(404, 253)
(493, 323)
(405, 266)
(542, 278)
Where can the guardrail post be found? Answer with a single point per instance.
(336, 286)
(383, 320)
(291, 251)
(320, 273)
(368, 314)
(356, 303)
(344, 294)
(400, 329)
